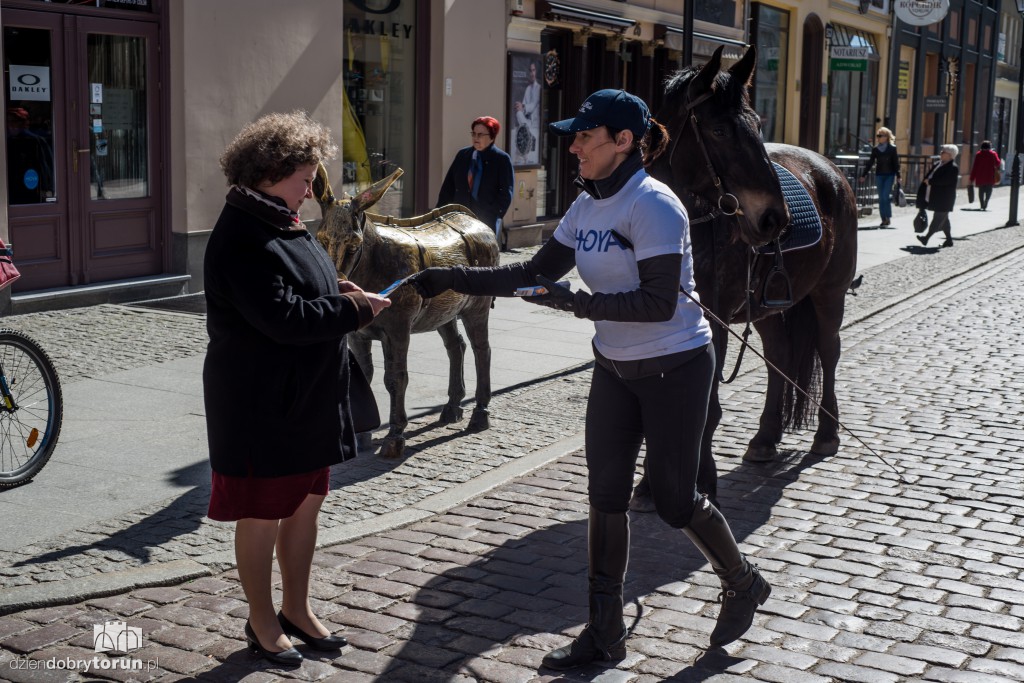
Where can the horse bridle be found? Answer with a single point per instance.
(728, 203)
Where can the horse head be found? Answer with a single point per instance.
(716, 157)
(344, 224)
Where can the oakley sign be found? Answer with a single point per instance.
(921, 12)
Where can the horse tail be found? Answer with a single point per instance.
(801, 335)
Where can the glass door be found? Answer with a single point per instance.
(83, 202)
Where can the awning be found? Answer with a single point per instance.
(561, 11)
(703, 43)
(846, 36)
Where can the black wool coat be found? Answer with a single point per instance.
(943, 179)
(496, 184)
(275, 380)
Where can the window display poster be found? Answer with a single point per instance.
(524, 124)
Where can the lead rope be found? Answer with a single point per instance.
(795, 386)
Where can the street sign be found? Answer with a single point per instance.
(936, 104)
(848, 64)
(921, 12)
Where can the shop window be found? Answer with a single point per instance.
(972, 32)
(771, 37)
(131, 5)
(378, 131)
(30, 159)
(851, 118)
(722, 12)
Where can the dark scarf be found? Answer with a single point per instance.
(270, 209)
(606, 187)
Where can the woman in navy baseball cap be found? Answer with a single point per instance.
(628, 236)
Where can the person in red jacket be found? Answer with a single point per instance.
(983, 172)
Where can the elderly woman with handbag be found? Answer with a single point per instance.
(939, 188)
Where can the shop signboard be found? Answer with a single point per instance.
(936, 104)
(844, 58)
(921, 12)
(903, 80)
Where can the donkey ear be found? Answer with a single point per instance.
(322, 188)
(371, 195)
(705, 79)
(742, 69)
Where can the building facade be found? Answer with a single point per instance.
(118, 109)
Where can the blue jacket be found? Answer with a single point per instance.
(496, 184)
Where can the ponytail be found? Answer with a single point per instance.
(654, 142)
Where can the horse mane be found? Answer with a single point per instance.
(677, 83)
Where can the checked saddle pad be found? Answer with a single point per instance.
(804, 229)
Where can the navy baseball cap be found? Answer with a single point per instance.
(613, 108)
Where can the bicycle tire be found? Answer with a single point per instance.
(29, 431)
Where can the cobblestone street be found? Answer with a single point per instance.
(876, 576)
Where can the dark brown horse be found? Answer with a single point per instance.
(723, 173)
(374, 251)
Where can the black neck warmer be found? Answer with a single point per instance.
(606, 187)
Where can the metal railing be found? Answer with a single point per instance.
(913, 168)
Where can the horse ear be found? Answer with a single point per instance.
(322, 188)
(371, 195)
(742, 69)
(705, 79)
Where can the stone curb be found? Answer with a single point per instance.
(178, 571)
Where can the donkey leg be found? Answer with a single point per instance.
(396, 381)
(475, 322)
(762, 448)
(456, 348)
(359, 347)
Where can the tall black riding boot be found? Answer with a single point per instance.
(604, 638)
(743, 587)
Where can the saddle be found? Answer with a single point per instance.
(434, 231)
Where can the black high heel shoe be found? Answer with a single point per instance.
(326, 643)
(289, 657)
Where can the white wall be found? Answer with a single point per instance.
(232, 62)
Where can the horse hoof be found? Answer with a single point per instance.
(641, 502)
(825, 445)
(450, 415)
(479, 421)
(760, 453)
(393, 447)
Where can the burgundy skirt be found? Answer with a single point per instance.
(235, 498)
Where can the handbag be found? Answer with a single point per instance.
(901, 196)
(8, 272)
(970, 194)
(362, 402)
(921, 221)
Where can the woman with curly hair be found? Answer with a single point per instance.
(275, 380)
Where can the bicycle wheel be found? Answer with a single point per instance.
(31, 408)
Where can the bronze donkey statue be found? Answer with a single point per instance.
(374, 251)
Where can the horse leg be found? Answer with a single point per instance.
(762, 448)
(359, 347)
(396, 381)
(475, 322)
(826, 438)
(456, 348)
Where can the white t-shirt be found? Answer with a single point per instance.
(648, 214)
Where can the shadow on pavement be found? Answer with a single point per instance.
(531, 591)
(138, 540)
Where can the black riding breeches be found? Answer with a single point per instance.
(669, 410)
